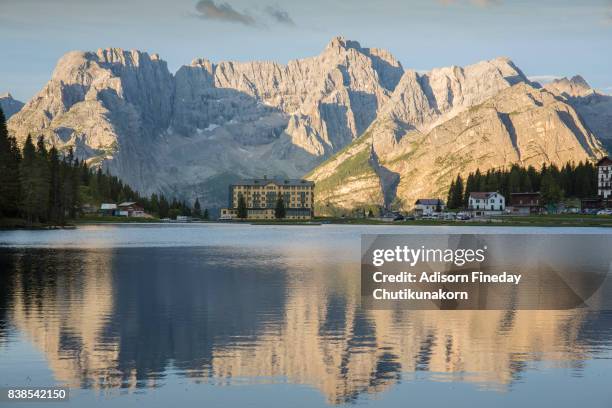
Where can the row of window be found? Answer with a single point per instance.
(491, 201)
(272, 187)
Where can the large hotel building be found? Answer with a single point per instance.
(604, 178)
(261, 196)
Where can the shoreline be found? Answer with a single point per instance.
(548, 221)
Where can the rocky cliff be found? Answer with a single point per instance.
(594, 107)
(191, 133)
(521, 124)
(9, 105)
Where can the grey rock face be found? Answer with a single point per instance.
(192, 133)
(594, 107)
(9, 105)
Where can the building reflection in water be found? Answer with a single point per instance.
(130, 317)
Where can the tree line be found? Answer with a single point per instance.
(43, 185)
(553, 183)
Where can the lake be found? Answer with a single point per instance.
(239, 315)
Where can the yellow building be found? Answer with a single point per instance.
(261, 196)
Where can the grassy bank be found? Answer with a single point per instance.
(19, 223)
(565, 220)
(96, 219)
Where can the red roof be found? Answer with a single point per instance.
(482, 194)
(429, 201)
(605, 161)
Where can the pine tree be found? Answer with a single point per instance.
(185, 210)
(458, 193)
(164, 207)
(279, 211)
(9, 172)
(75, 184)
(534, 176)
(550, 191)
(56, 210)
(43, 179)
(197, 212)
(27, 179)
(451, 194)
(206, 216)
(242, 207)
(514, 181)
(154, 206)
(67, 189)
(470, 186)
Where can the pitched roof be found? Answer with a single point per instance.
(127, 204)
(429, 201)
(526, 193)
(605, 161)
(278, 181)
(108, 206)
(482, 194)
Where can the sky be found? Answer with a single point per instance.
(546, 39)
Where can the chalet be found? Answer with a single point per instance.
(424, 206)
(130, 209)
(525, 203)
(108, 209)
(486, 203)
(604, 178)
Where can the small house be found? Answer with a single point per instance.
(486, 203)
(425, 206)
(525, 203)
(130, 209)
(108, 209)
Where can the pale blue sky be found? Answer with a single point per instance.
(544, 38)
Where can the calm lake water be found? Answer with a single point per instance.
(229, 315)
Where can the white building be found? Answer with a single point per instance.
(424, 206)
(604, 178)
(487, 203)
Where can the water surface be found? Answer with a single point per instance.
(232, 315)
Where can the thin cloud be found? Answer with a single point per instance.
(209, 10)
(543, 79)
(279, 15)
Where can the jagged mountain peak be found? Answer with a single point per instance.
(575, 86)
(341, 42)
(191, 133)
(9, 105)
(112, 54)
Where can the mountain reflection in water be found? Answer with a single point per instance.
(125, 317)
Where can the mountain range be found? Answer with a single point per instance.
(368, 131)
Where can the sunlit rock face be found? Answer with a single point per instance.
(520, 124)
(124, 318)
(595, 107)
(192, 133)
